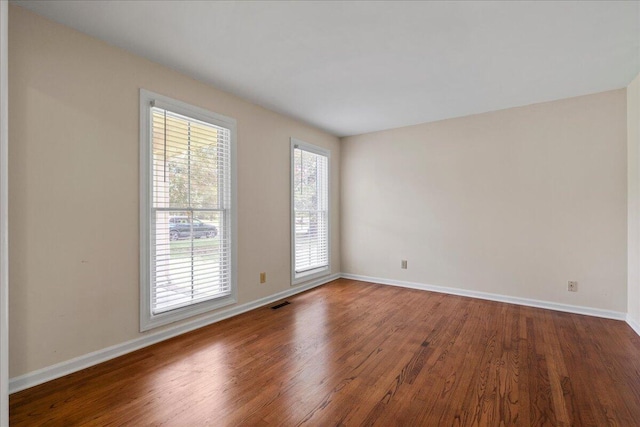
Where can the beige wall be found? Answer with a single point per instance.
(514, 202)
(633, 186)
(74, 189)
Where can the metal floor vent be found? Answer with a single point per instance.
(275, 307)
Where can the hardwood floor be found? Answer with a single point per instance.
(355, 353)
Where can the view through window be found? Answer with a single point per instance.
(310, 190)
(190, 205)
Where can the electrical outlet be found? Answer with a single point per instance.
(404, 264)
(572, 287)
(263, 277)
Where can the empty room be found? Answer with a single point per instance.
(252, 213)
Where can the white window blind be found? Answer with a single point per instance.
(189, 248)
(310, 188)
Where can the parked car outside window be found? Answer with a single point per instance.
(182, 227)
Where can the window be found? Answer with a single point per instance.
(310, 211)
(187, 210)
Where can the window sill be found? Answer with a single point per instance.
(299, 278)
(153, 321)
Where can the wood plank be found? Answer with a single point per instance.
(356, 353)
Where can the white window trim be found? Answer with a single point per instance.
(148, 320)
(298, 278)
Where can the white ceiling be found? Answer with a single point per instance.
(356, 67)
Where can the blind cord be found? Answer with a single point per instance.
(165, 146)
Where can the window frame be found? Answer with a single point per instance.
(148, 320)
(298, 278)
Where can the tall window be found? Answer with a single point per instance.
(187, 215)
(310, 201)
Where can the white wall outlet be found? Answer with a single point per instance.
(572, 287)
(403, 264)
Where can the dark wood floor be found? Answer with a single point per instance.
(354, 353)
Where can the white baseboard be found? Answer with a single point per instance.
(69, 366)
(634, 324)
(608, 314)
